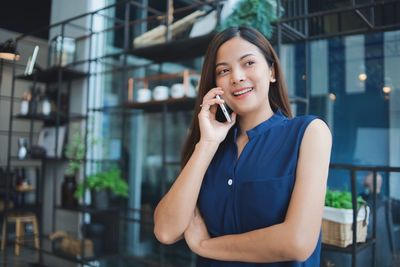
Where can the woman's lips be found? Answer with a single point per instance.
(243, 92)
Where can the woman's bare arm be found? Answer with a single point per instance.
(175, 210)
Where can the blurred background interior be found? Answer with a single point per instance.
(96, 98)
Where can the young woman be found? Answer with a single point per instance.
(251, 192)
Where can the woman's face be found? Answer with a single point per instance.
(243, 73)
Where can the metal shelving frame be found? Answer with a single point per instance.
(355, 247)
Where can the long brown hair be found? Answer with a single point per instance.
(278, 97)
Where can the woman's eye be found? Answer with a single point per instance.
(249, 63)
(222, 72)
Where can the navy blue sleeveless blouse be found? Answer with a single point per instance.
(252, 192)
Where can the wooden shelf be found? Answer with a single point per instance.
(27, 160)
(107, 109)
(88, 209)
(184, 75)
(52, 118)
(166, 76)
(174, 51)
(25, 190)
(51, 75)
(172, 104)
(32, 208)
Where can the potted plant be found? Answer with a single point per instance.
(337, 219)
(75, 153)
(258, 14)
(102, 184)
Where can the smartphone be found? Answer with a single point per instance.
(225, 112)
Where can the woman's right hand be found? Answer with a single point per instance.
(212, 130)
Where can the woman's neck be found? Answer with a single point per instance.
(251, 120)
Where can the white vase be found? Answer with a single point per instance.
(22, 151)
(24, 108)
(46, 107)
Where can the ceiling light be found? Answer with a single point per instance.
(362, 76)
(8, 50)
(386, 89)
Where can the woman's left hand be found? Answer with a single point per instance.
(196, 232)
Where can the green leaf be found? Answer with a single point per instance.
(341, 199)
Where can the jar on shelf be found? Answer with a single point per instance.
(24, 107)
(45, 106)
(22, 148)
(68, 188)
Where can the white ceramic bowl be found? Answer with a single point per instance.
(160, 92)
(143, 95)
(177, 90)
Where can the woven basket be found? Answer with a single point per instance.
(341, 233)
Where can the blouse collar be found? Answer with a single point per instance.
(263, 126)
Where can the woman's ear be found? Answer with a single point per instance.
(272, 78)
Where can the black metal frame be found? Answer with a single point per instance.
(294, 26)
(355, 247)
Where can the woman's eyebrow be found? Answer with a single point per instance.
(241, 58)
(221, 63)
(246, 55)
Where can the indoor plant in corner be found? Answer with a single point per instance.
(101, 185)
(75, 152)
(258, 14)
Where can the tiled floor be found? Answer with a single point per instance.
(29, 257)
(26, 257)
(396, 259)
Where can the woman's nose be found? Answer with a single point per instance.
(237, 76)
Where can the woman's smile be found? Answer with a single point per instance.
(242, 92)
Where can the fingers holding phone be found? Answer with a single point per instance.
(211, 126)
(211, 104)
(213, 97)
(210, 98)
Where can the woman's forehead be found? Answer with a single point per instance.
(236, 49)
